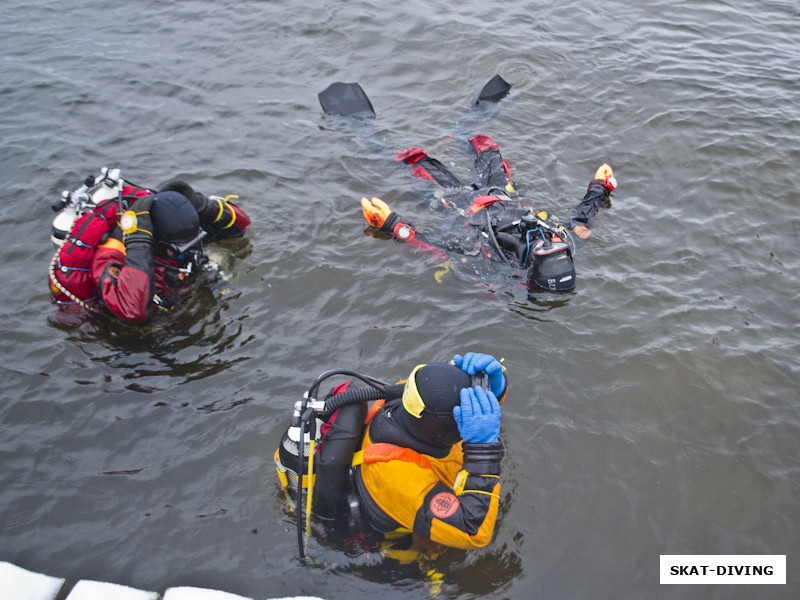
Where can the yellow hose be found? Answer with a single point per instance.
(312, 446)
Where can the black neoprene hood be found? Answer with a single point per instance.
(439, 386)
(175, 219)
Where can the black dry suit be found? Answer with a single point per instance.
(502, 226)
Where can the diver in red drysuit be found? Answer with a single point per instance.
(153, 252)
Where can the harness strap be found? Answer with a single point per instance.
(382, 452)
(65, 269)
(374, 410)
(82, 244)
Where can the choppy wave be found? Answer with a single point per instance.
(652, 411)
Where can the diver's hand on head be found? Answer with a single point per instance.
(472, 362)
(478, 416)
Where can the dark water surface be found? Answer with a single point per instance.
(653, 411)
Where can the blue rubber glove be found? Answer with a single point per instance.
(473, 362)
(478, 417)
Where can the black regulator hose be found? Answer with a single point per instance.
(357, 395)
(494, 238)
(370, 381)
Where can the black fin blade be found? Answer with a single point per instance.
(345, 99)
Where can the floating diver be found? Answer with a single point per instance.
(423, 459)
(132, 250)
(499, 226)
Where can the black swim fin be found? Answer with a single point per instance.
(346, 100)
(483, 106)
(495, 90)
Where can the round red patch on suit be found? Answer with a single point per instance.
(444, 505)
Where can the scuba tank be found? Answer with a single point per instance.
(95, 189)
(298, 474)
(292, 475)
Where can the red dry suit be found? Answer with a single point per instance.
(132, 282)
